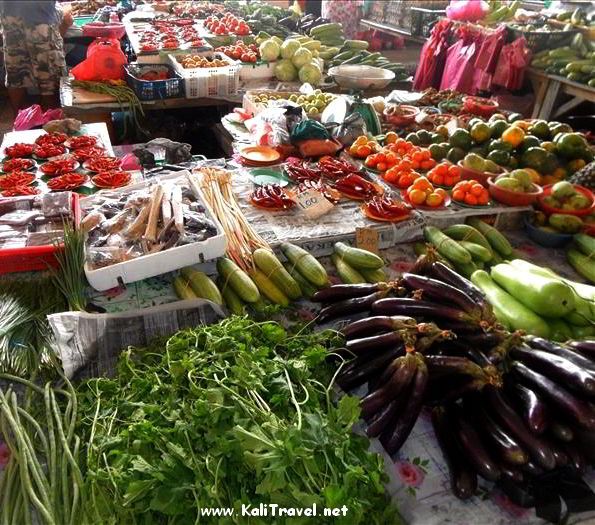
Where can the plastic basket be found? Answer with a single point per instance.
(209, 82)
(154, 89)
(34, 258)
(541, 40)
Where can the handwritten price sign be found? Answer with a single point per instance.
(367, 239)
(313, 203)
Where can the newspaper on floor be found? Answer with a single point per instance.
(89, 344)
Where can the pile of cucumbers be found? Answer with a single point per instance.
(575, 62)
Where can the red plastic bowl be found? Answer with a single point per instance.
(479, 176)
(547, 190)
(483, 107)
(401, 116)
(514, 198)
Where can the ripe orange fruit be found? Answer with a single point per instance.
(470, 199)
(458, 195)
(477, 190)
(441, 191)
(417, 196)
(391, 137)
(483, 199)
(381, 166)
(364, 151)
(434, 199)
(422, 183)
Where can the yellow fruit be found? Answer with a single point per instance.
(548, 146)
(536, 178)
(576, 164)
(513, 136)
(523, 124)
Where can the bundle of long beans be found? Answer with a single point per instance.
(42, 482)
(242, 239)
(118, 89)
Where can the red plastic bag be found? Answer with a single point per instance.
(432, 58)
(459, 69)
(34, 116)
(467, 10)
(510, 69)
(105, 61)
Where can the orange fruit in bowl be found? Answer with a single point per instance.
(434, 199)
(483, 199)
(471, 199)
(422, 183)
(458, 195)
(361, 140)
(477, 190)
(441, 191)
(391, 137)
(514, 135)
(416, 196)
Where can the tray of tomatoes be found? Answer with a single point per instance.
(444, 175)
(423, 195)
(241, 51)
(470, 193)
(228, 24)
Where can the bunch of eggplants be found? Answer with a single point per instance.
(504, 407)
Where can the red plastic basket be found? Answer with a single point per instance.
(34, 258)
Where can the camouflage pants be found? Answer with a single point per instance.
(33, 56)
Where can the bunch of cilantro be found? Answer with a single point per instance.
(240, 412)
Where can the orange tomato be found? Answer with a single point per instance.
(464, 185)
(391, 159)
(449, 181)
(454, 171)
(434, 199)
(381, 166)
(405, 180)
(471, 199)
(418, 156)
(441, 191)
(458, 195)
(406, 164)
(417, 196)
(437, 178)
(364, 151)
(391, 137)
(371, 161)
(381, 157)
(477, 190)
(361, 140)
(483, 199)
(426, 164)
(422, 183)
(441, 169)
(415, 164)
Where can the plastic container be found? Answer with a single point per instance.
(34, 258)
(104, 30)
(154, 89)
(513, 198)
(161, 262)
(547, 190)
(263, 71)
(545, 238)
(479, 176)
(482, 107)
(209, 82)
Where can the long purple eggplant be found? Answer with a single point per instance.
(340, 292)
(499, 408)
(349, 307)
(576, 460)
(417, 308)
(569, 404)
(444, 273)
(400, 379)
(540, 343)
(533, 409)
(463, 479)
(441, 292)
(451, 388)
(440, 365)
(383, 419)
(393, 440)
(358, 371)
(533, 469)
(374, 343)
(585, 348)
(561, 432)
(511, 473)
(558, 368)
(507, 447)
(377, 324)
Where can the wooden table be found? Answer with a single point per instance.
(96, 107)
(547, 89)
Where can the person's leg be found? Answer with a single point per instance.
(16, 62)
(46, 49)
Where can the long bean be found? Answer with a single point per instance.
(51, 459)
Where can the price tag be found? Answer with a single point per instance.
(367, 239)
(313, 203)
(421, 116)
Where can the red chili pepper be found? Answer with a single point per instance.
(111, 179)
(102, 164)
(51, 138)
(46, 151)
(83, 141)
(17, 165)
(15, 179)
(68, 181)
(21, 190)
(272, 196)
(356, 187)
(19, 150)
(58, 167)
(83, 154)
(385, 208)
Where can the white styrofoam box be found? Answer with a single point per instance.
(159, 263)
(209, 82)
(264, 71)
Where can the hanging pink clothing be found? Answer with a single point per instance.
(346, 12)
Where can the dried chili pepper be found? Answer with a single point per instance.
(17, 164)
(16, 179)
(19, 150)
(83, 141)
(334, 168)
(271, 196)
(99, 164)
(89, 152)
(68, 181)
(111, 179)
(19, 191)
(45, 151)
(300, 172)
(51, 138)
(58, 166)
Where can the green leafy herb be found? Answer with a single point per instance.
(232, 413)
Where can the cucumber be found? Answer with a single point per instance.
(494, 237)
(582, 332)
(323, 28)
(356, 44)
(517, 315)
(374, 276)
(464, 232)
(582, 264)
(478, 252)
(545, 296)
(420, 248)
(307, 288)
(347, 274)
(446, 246)
(559, 330)
(466, 270)
(232, 301)
(585, 243)
(358, 258)
(239, 280)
